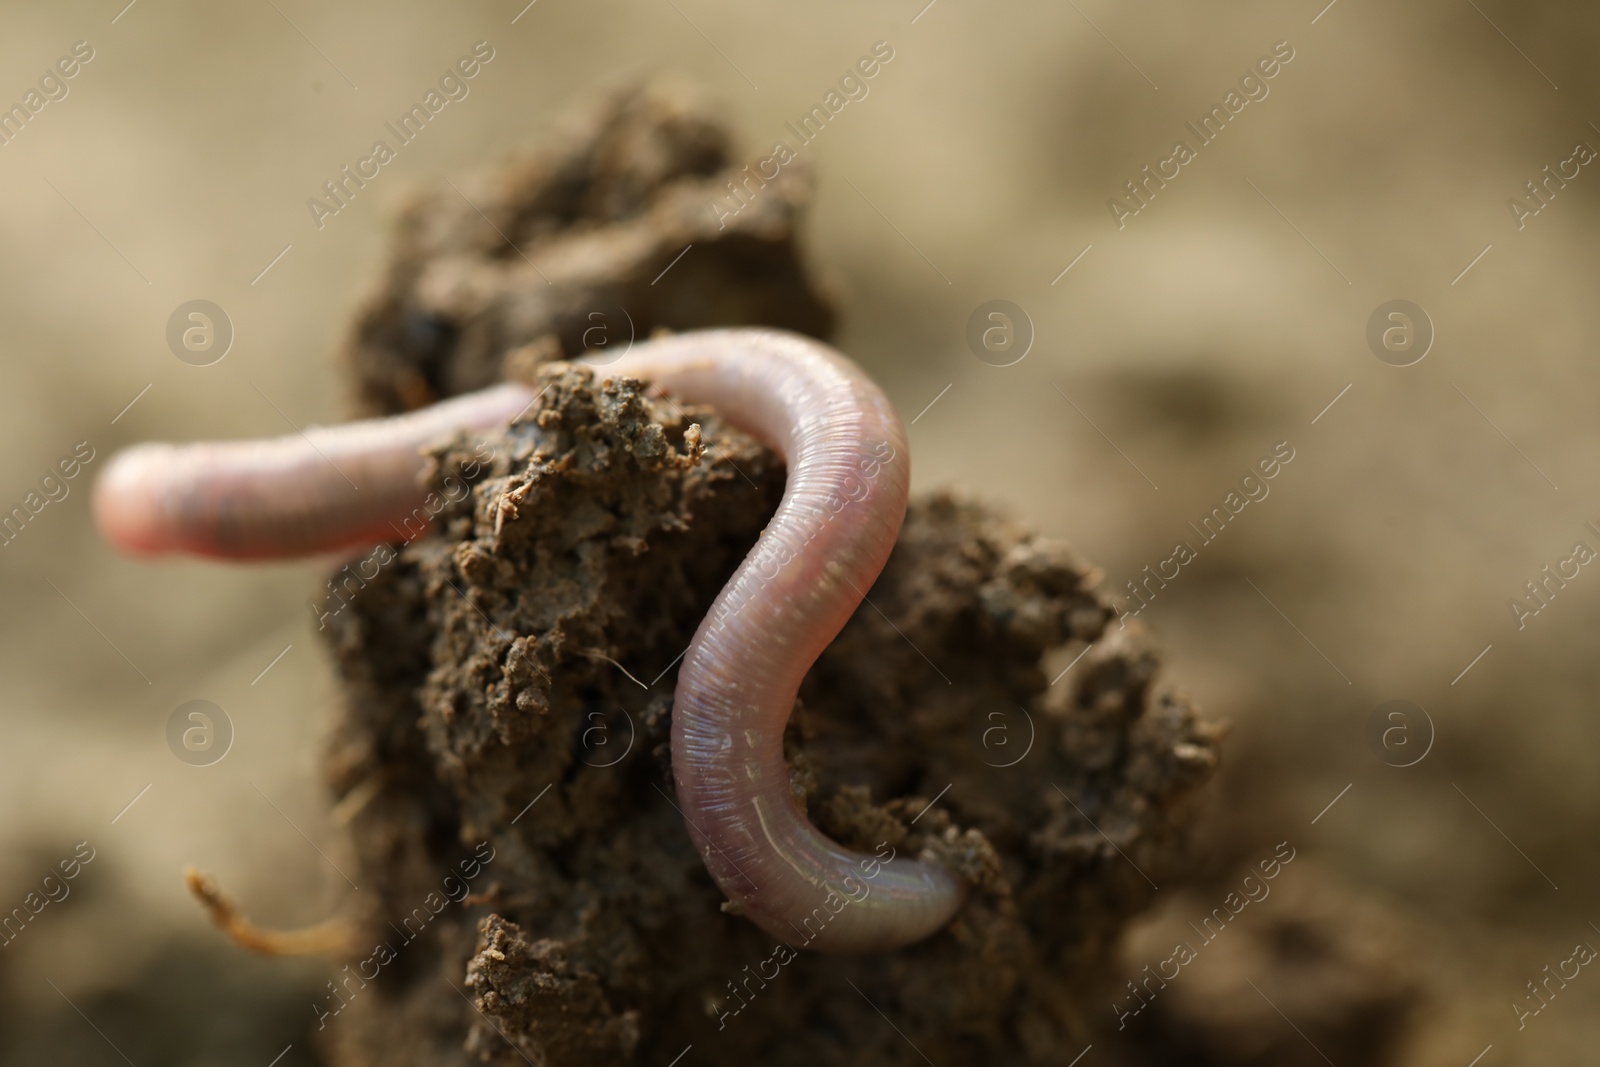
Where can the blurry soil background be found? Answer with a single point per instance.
(1166, 363)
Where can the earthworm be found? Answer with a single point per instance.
(848, 480)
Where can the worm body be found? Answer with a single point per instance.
(849, 476)
(329, 488)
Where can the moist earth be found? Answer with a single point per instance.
(530, 891)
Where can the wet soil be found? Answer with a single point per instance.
(530, 891)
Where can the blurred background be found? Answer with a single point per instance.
(1167, 357)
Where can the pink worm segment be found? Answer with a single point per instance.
(849, 477)
(330, 488)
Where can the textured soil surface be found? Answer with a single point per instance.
(575, 243)
(530, 891)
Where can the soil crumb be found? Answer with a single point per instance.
(530, 891)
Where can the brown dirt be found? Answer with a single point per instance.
(572, 243)
(1293, 972)
(509, 683)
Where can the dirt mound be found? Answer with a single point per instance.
(531, 891)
